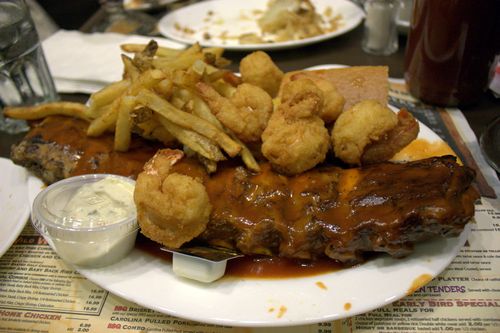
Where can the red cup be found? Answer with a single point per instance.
(451, 49)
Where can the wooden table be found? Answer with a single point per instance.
(345, 49)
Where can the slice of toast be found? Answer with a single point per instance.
(355, 83)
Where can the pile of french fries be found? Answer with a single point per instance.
(157, 99)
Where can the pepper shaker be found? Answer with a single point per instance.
(380, 34)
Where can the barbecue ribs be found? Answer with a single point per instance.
(339, 213)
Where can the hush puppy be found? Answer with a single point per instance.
(364, 123)
(259, 69)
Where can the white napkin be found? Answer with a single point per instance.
(85, 63)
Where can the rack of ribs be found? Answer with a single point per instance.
(339, 213)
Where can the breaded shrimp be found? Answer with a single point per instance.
(295, 139)
(259, 69)
(246, 112)
(364, 123)
(333, 101)
(171, 208)
(396, 139)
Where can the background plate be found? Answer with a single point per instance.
(236, 17)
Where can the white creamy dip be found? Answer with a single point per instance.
(89, 220)
(100, 203)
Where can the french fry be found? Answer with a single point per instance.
(208, 73)
(144, 60)
(197, 142)
(199, 67)
(216, 51)
(193, 49)
(104, 122)
(124, 123)
(200, 108)
(106, 96)
(161, 52)
(132, 48)
(188, 121)
(223, 88)
(166, 52)
(184, 60)
(96, 113)
(146, 80)
(213, 56)
(178, 103)
(247, 158)
(130, 71)
(181, 62)
(108, 119)
(210, 166)
(154, 130)
(213, 76)
(150, 49)
(185, 78)
(72, 109)
(165, 88)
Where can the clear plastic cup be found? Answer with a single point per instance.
(74, 240)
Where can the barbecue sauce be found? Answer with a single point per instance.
(419, 149)
(276, 267)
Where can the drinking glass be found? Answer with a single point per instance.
(380, 34)
(24, 75)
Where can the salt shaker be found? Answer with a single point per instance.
(380, 35)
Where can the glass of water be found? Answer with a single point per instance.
(24, 76)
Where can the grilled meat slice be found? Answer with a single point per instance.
(341, 214)
(58, 148)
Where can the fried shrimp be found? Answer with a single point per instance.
(333, 101)
(246, 112)
(363, 124)
(171, 208)
(295, 139)
(396, 139)
(259, 69)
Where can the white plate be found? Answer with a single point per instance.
(150, 282)
(14, 208)
(228, 17)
